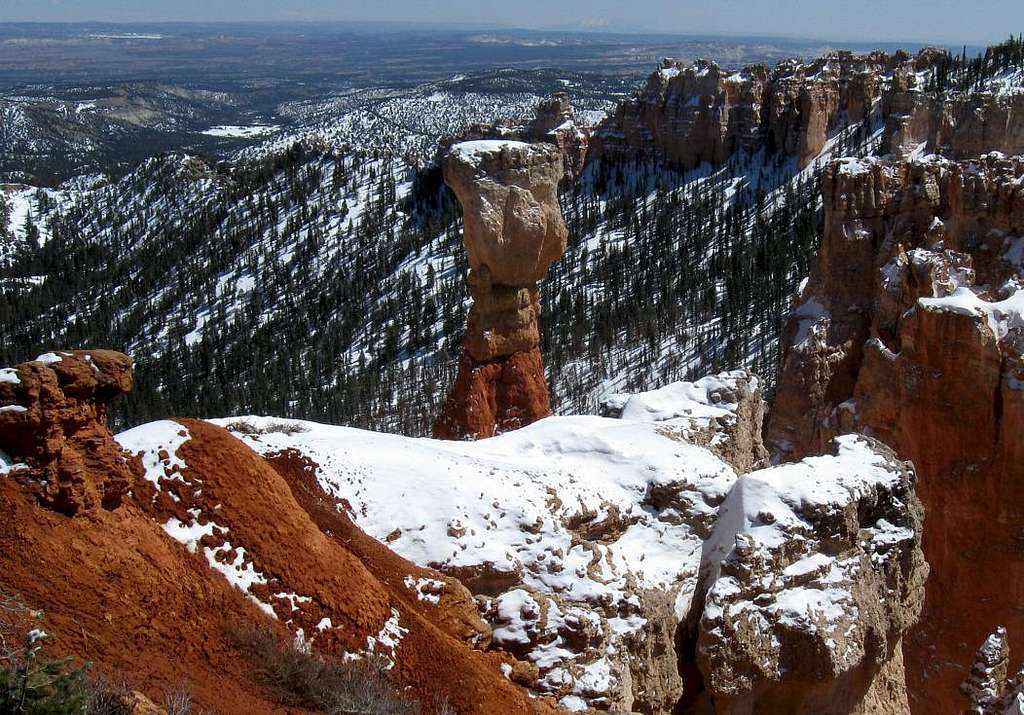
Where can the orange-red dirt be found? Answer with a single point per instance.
(488, 398)
(119, 592)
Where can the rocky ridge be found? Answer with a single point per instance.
(614, 554)
(690, 114)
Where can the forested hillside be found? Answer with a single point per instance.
(324, 281)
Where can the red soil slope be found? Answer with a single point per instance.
(118, 591)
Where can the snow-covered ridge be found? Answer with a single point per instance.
(586, 536)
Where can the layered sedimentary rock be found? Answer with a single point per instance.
(53, 425)
(910, 330)
(687, 115)
(618, 556)
(956, 124)
(513, 230)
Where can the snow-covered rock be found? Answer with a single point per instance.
(721, 412)
(590, 541)
(814, 572)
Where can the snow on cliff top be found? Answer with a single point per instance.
(471, 151)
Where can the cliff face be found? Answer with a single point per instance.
(811, 587)
(958, 125)
(145, 552)
(910, 330)
(686, 115)
(513, 230)
(53, 421)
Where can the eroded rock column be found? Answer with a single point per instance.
(513, 231)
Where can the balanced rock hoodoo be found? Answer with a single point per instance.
(514, 230)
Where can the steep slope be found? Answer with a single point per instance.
(909, 330)
(207, 537)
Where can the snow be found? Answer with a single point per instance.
(493, 494)
(1001, 316)
(851, 166)
(239, 572)
(189, 534)
(695, 400)
(527, 505)
(786, 491)
(472, 151)
(13, 408)
(150, 440)
(813, 322)
(48, 358)
(242, 132)
(389, 637)
(7, 465)
(427, 589)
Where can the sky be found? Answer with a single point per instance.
(945, 21)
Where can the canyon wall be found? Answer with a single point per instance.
(689, 114)
(911, 329)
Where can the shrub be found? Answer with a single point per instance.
(248, 428)
(303, 679)
(108, 698)
(30, 682)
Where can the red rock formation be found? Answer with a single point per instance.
(687, 115)
(199, 535)
(910, 329)
(513, 231)
(53, 417)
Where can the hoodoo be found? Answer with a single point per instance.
(513, 231)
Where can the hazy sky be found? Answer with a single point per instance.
(948, 21)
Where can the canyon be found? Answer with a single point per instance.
(694, 549)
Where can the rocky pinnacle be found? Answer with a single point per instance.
(513, 231)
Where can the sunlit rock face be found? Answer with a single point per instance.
(911, 329)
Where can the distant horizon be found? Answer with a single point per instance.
(917, 22)
(837, 41)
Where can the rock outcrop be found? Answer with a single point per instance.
(513, 231)
(617, 557)
(554, 122)
(910, 330)
(687, 115)
(989, 688)
(53, 425)
(724, 413)
(812, 584)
